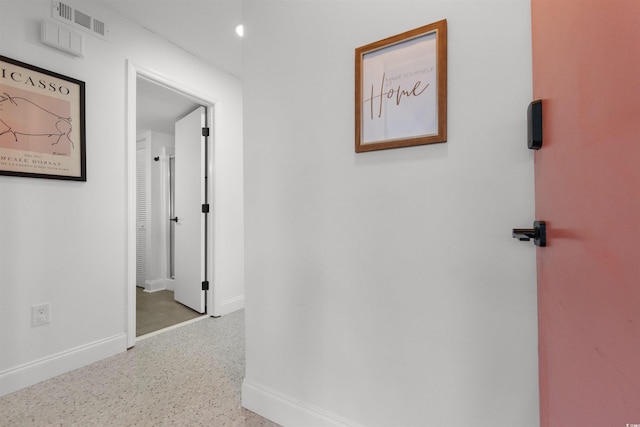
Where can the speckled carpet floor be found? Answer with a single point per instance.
(188, 376)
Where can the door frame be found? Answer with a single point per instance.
(166, 155)
(133, 72)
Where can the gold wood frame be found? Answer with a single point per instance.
(401, 90)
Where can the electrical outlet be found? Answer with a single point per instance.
(40, 314)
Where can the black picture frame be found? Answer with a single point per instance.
(42, 123)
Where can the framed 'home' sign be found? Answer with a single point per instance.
(42, 123)
(401, 90)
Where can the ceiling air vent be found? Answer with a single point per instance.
(77, 19)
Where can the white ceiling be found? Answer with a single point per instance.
(204, 28)
(159, 108)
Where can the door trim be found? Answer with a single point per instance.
(133, 72)
(165, 159)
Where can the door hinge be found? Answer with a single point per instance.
(205, 131)
(205, 208)
(205, 285)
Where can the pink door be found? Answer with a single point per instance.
(586, 69)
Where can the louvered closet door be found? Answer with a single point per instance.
(142, 213)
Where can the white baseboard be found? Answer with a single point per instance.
(231, 305)
(286, 410)
(155, 285)
(31, 373)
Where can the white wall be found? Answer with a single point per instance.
(65, 242)
(384, 288)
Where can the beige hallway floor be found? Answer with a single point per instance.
(158, 310)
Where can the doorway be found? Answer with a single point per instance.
(161, 300)
(158, 106)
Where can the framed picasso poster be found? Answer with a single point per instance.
(401, 90)
(42, 123)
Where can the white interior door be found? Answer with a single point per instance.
(189, 197)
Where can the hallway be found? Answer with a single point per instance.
(186, 376)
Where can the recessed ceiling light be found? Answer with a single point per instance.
(240, 30)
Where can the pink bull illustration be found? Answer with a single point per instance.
(28, 122)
